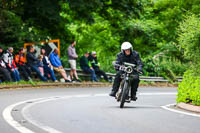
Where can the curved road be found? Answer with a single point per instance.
(91, 110)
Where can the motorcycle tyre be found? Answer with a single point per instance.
(124, 95)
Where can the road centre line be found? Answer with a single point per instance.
(22, 129)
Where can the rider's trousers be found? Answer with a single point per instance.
(134, 83)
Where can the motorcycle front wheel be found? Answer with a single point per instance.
(124, 94)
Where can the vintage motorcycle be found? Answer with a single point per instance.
(129, 73)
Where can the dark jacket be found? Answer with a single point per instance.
(94, 63)
(45, 61)
(84, 62)
(1, 55)
(133, 58)
(32, 59)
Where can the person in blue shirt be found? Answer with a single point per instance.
(57, 65)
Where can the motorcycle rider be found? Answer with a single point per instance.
(128, 55)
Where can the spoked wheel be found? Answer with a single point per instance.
(119, 93)
(118, 96)
(124, 94)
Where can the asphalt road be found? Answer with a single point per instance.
(91, 110)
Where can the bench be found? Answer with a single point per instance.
(86, 76)
(112, 75)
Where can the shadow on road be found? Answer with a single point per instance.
(138, 107)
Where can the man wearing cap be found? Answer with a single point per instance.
(72, 56)
(84, 63)
(96, 66)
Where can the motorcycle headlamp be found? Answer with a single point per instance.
(129, 69)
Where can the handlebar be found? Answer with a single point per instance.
(127, 67)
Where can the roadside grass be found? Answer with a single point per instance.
(102, 81)
(22, 82)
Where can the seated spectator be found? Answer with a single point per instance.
(40, 64)
(21, 64)
(72, 56)
(87, 68)
(33, 62)
(3, 69)
(57, 65)
(1, 53)
(10, 64)
(48, 68)
(96, 66)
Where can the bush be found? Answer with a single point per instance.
(189, 38)
(188, 41)
(189, 89)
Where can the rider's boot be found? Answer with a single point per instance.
(133, 98)
(128, 100)
(112, 94)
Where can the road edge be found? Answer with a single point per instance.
(189, 107)
(82, 84)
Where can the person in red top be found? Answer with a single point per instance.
(10, 63)
(21, 64)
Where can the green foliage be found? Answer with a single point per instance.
(102, 25)
(189, 39)
(33, 83)
(189, 89)
(10, 25)
(143, 34)
(166, 33)
(188, 42)
(96, 37)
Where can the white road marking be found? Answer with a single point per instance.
(81, 96)
(167, 107)
(10, 120)
(29, 118)
(158, 93)
(101, 95)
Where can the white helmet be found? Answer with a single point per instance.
(125, 46)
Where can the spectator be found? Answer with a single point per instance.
(1, 53)
(72, 56)
(3, 69)
(57, 65)
(96, 66)
(21, 64)
(33, 62)
(40, 64)
(48, 68)
(10, 64)
(87, 68)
